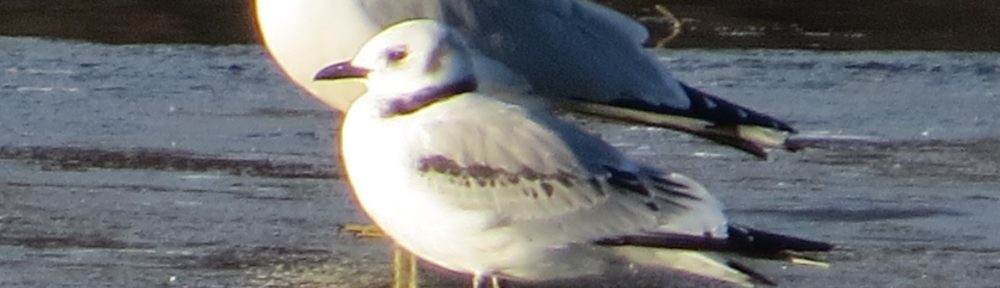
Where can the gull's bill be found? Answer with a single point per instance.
(579, 55)
(343, 70)
(487, 185)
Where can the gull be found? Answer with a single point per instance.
(581, 56)
(476, 177)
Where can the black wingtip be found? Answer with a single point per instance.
(709, 108)
(758, 243)
(741, 240)
(725, 120)
(722, 112)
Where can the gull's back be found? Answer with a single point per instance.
(565, 49)
(520, 33)
(574, 50)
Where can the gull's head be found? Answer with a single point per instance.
(409, 65)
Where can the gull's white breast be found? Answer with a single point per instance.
(382, 155)
(381, 158)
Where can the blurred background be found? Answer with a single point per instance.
(960, 25)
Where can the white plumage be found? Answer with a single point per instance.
(490, 185)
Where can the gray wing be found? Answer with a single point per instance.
(580, 51)
(543, 38)
(594, 52)
(541, 174)
(540, 39)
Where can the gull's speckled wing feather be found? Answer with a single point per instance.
(540, 174)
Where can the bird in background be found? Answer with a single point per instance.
(577, 55)
(475, 176)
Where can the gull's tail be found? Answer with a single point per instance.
(706, 256)
(708, 116)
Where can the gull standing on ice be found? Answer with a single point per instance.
(582, 56)
(474, 180)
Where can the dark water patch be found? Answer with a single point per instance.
(817, 85)
(268, 198)
(141, 188)
(855, 215)
(888, 144)
(340, 270)
(12, 263)
(982, 250)
(976, 160)
(247, 257)
(69, 241)
(203, 244)
(242, 258)
(272, 112)
(900, 239)
(288, 113)
(982, 197)
(238, 194)
(977, 69)
(754, 63)
(308, 135)
(853, 159)
(985, 69)
(81, 158)
(886, 67)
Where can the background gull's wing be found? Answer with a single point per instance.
(537, 39)
(566, 49)
(600, 66)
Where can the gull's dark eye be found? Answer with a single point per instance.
(396, 54)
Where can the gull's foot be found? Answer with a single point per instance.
(363, 230)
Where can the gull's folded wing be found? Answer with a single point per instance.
(538, 173)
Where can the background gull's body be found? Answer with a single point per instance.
(581, 56)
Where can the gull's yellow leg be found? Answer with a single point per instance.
(404, 264)
(404, 268)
